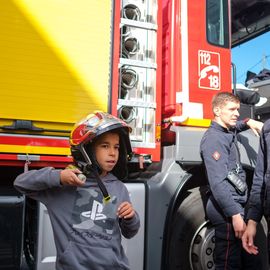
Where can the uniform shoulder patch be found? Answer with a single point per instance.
(216, 155)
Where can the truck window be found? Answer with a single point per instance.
(217, 27)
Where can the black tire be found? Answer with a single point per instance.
(192, 239)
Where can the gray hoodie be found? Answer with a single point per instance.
(87, 232)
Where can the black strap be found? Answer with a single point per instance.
(233, 175)
(88, 166)
(104, 191)
(238, 156)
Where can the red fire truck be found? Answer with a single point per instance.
(155, 64)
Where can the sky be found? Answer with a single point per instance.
(253, 55)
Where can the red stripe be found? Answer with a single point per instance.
(8, 157)
(36, 164)
(35, 141)
(228, 247)
(38, 158)
(56, 158)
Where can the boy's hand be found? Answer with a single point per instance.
(125, 210)
(70, 177)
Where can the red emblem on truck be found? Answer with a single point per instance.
(209, 70)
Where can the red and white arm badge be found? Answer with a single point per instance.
(216, 155)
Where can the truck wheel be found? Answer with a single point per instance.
(192, 239)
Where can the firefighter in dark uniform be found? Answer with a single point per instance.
(259, 200)
(228, 192)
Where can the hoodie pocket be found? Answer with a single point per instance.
(83, 257)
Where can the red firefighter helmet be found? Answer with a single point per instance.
(92, 126)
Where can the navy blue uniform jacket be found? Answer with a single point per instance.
(220, 155)
(259, 200)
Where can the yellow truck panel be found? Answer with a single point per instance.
(55, 60)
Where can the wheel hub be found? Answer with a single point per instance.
(202, 248)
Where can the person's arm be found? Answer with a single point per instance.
(37, 180)
(239, 225)
(215, 153)
(248, 237)
(255, 126)
(129, 220)
(255, 202)
(33, 182)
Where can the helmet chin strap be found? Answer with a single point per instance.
(88, 166)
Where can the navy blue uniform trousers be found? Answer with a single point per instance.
(229, 253)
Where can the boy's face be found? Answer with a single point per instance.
(227, 114)
(107, 151)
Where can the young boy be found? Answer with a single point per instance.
(88, 215)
